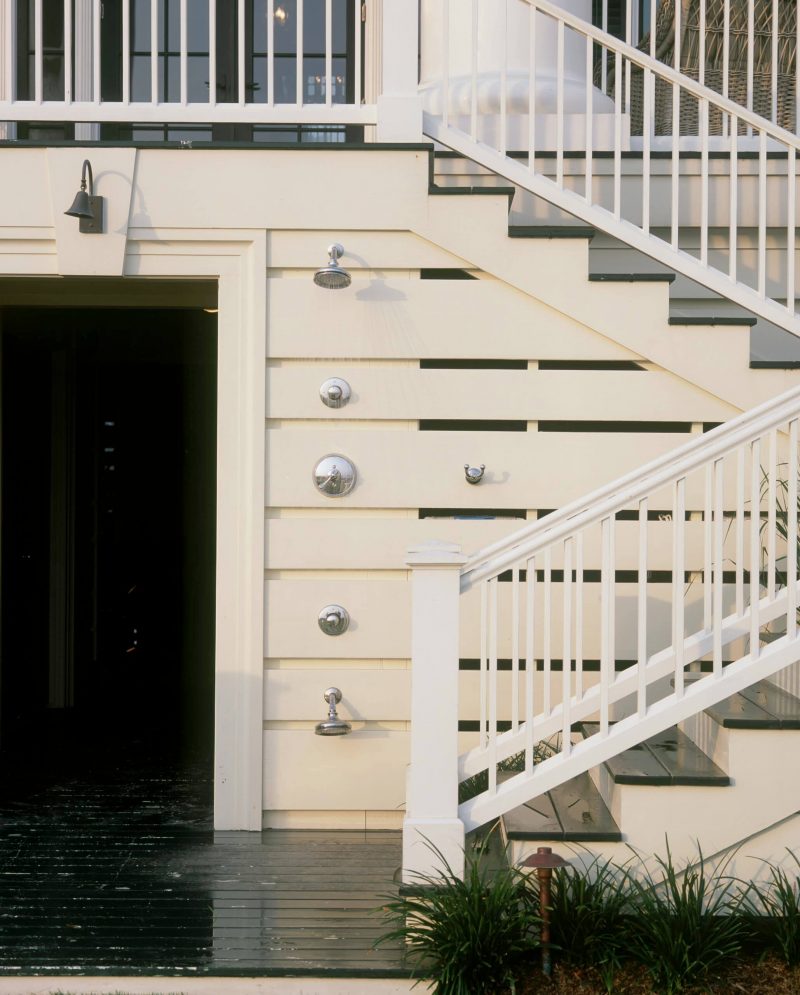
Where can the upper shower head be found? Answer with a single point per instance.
(332, 276)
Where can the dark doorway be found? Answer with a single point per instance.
(108, 535)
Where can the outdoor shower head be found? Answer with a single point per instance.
(333, 725)
(332, 276)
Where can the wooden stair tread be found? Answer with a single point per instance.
(666, 759)
(713, 319)
(761, 706)
(550, 231)
(632, 277)
(572, 812)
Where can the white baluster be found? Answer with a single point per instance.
(678, 580)
(755, 546)
(641, 612)
(719, 565)
(530, 659)
(566, 652)
(791, 533)
(515, 649)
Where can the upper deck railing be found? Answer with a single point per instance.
(205, 62)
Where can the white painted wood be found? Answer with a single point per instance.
(610, 219)
(528, 395)
(386, 317)
(372, 696)
(363, 250)
(512, 479)
(8, 63)
(364, 770)
(299, 545)
(399, 114)
(432, 792)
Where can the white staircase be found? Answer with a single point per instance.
(480, 108)
(670, 647)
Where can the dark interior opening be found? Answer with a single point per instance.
(108, 535)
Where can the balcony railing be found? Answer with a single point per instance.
(211, 62)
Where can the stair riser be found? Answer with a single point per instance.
(750, 862)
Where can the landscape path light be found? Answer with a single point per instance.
(545, 861)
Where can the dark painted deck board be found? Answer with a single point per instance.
(119, 872)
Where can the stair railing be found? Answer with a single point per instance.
(573, 156)
(632, 609)
(599, 626)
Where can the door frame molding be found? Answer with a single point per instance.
(237, 260)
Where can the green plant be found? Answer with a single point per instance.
(478, 783)
(467, 936)
(774, 912)
(686, 923)
(589, 910)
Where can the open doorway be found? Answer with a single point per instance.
(108, 536)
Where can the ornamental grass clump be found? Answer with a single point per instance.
(686, 923)
(590, 909)
(467, 937)
(774, 912)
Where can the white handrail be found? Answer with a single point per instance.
(555, 127)
(495, 559)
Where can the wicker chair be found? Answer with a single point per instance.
(737, 62)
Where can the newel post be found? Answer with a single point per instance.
(399, 102)
(432, 787)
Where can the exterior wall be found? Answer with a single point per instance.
(259, 222)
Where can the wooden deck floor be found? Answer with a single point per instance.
(119, 872)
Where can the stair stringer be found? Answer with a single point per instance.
(716, 359)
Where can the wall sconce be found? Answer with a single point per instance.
(86, 207)
(333, 725)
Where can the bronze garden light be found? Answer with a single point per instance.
(544, 860)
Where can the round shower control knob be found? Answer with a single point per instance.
(334, 475)
(335, 392)
(333, 620)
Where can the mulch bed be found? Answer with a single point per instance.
(751, 976)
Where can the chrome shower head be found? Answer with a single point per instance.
(333, 725)
(332, 276)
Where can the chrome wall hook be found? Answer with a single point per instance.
(333, 725)
(474, 474)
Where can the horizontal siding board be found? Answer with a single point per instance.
(426, 469)
(376, 544)
(382, 695)
(362, 249)
(533, 395)
(396, 318)
(380, 619)
(365, 770)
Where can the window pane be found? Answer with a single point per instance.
(314, 26)
(285, 80)
(140, 31)
(258, 91)
(286, 26)
(340, 40)
(197, 25)
(197, 78)
(259, 25)
(174, 24)
(140, 77)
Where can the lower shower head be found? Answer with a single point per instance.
(333, 725)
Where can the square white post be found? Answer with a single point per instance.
(8, 62)
(432, 787)
(399, 103)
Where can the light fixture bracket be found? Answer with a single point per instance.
(94, 224)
